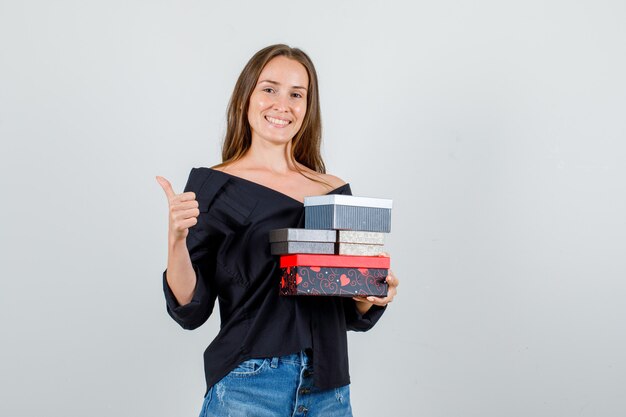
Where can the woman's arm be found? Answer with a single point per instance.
(183, 214)
(187, 280)
(180, 275)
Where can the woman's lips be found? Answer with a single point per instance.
(277, 122)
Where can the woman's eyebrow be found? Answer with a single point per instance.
(277, 83)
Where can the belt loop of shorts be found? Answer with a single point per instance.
(274, 362)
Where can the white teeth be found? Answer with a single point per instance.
(277, 121)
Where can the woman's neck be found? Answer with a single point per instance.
(267, 156)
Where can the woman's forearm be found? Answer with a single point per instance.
(180, 274)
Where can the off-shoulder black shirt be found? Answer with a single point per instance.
(230, 253)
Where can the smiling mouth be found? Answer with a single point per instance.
(277, 122)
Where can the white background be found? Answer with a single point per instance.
(497, 127)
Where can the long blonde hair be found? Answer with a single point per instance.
(305, 146)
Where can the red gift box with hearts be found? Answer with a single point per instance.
(335, 275)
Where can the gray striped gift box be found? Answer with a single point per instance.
(346, 212)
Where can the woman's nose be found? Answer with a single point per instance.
(281, 102)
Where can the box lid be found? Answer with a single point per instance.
(353, 236)
(302, 235)
(285, 248)
(336, 261)
(347, 200)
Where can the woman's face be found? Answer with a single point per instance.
(278, 102)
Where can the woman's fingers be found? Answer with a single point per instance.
(393, 283)
(181, 215)
(184, 205)
(182, 218)
(188, 196)
(379, 301)
(185, 224)
(392, 279)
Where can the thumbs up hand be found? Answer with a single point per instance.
(183, 210)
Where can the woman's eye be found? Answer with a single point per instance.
(297, 95)
(268, 90)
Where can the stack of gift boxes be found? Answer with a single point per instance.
(337, 253)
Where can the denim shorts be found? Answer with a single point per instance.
(275, 387)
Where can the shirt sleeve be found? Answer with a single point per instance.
(202, 252)
(356, 321)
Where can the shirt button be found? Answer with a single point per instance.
(307, 373)
(304, 390)
(302, 409)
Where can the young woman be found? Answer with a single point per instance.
(274, 355)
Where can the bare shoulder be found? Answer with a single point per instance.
(232, 168)
(334, 181)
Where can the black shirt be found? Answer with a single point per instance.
(230, 253)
